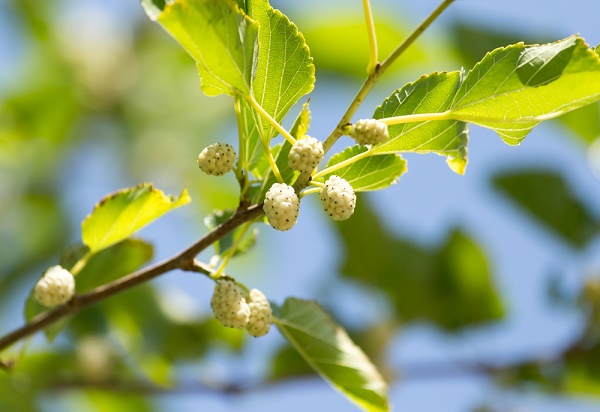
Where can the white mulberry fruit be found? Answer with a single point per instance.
(306, 154)
(369, 131)
(229, 305)
(217, 159)
(338, 198)
(261, 314)
(281, 206)
(55, 287)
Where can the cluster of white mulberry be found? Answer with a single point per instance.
(234, 310)
(55, 287)
(282, 204)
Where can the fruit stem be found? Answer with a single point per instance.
(280, 129)
(80, 264)
(372, 37)
(309, 191)
(342, 164)
(271, 161)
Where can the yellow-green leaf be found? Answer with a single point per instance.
(218, 35)
(120, 215)
(516, 87)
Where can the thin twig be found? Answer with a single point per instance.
(379, 70)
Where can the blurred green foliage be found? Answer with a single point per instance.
(548, 198)
(450, 285)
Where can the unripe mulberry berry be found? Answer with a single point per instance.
(338, 198)
(261, 314)
(229, 305)
(306, 154)
(55, 287)
(281, 206)
(369, 131)
(217, 159)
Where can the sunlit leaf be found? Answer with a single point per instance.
(284, 73)
(369, 173)
(514, 88)
(302, 123)
(120, 215)
(548, 198)
(218, 35)
(429, 94)
(253, 154)
(330, 351)
(284, 70)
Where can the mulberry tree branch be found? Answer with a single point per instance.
(184, 261)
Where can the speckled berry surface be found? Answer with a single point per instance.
(55, 287)
(217, 159)
(281, 206)
(229, 305)
(306, 154)
(369, 132)
(261, 314)
(338, 198)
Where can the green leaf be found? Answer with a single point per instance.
(514, 88)
(253, 154)
(284, 73)
(284, 70)
(329, 350)
(369, 173)
(219, 37)
(429, 94)
(121, 214)
(302, 123)
(548, 198)
(223, 245)
(109, 264)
